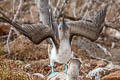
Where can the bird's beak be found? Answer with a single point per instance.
(64, 26)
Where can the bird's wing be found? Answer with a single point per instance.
(35, 32)
(89, 29)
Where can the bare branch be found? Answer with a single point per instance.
(43, 9)
(32, 14)
(3, 14)
(61, 8)
(112, 25)
(15, 16)
(46, 15)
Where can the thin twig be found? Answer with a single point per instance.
(88, 5)
(3, 14)
(3, 38)
(15, 16)
(112, 25)
(74, 8)
(61, 9)
(32, 14)
(55, 10)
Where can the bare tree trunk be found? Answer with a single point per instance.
(46, 15)
(43, 9)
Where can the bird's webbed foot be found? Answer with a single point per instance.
(52, 74)
(66, 69)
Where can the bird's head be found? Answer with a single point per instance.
(63, 30)
(62, 25)
(74, 63)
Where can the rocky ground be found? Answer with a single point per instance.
(28, 61)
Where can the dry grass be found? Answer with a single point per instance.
(10, 75)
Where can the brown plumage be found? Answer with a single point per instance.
(36, 32)
(39, 32)
(61, 50)
(90, 29)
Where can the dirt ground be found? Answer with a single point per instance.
(28, 61)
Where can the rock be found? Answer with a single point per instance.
(38, 74)
(101, 63)
(4, 29)
(23, 49)
(59, 76)
(112, 33)
(112, 76)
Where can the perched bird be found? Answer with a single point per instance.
(61, 49)
(73, 69)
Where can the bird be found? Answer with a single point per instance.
(61, 51)
(66, 31)
(73, 69)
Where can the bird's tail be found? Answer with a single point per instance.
(16, 26)
(100, 18)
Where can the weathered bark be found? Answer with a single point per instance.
(43, 9)
(46, 15)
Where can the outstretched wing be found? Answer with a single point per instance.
(89, 29)
(35, 32)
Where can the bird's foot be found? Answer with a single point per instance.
(52, 74)
(65, 71)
